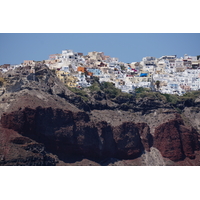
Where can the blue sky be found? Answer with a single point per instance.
(128, 47)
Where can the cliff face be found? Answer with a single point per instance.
(16, 149)
(175, 141)
(73, 134)
(43, 123)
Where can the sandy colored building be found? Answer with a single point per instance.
(55, 56)
(71, 81)
(62, 75)
(67, 78)
(28, 63)
(97, 56)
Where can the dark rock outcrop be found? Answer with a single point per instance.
(73, 134)
(131, 139)
(175, 141)
(16, 149)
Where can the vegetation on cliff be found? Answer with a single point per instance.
(79, 92)
(114, 94)
(109, 89)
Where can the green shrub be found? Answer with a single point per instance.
(171, 98)
(122, 67)
(80, 93)
(141, 89)
(96, 79)
(146, 92)
(174, 99)
(143, 92)
(110, 89)
(125, 95)
(192, 95)
(95, 87)
(107, 85)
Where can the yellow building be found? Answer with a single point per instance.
(68, 79)
(71, 81)
(61, 75)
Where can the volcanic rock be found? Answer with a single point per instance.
(43, 123)
(175, 141)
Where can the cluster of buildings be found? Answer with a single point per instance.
(167, 74)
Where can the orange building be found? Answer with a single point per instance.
(89, 73)
(81, 69)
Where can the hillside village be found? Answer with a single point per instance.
(167, 74)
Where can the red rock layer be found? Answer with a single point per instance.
(69, 133)
(176, 141)
(16, 149)
(131, 139)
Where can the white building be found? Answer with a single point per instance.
(192, 58)
(71, 57)
(82, 82)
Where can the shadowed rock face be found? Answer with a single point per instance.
(131, 139)
(16, 149)
(175, 141)
(66, 133)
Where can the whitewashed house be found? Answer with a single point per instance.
(179, 65)
(82, 82)
(143, 84)
(4, 70)
(70, 57)
(104, 77)
(192, 58)
(127, 88)
(65, 68)
(160, 68)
